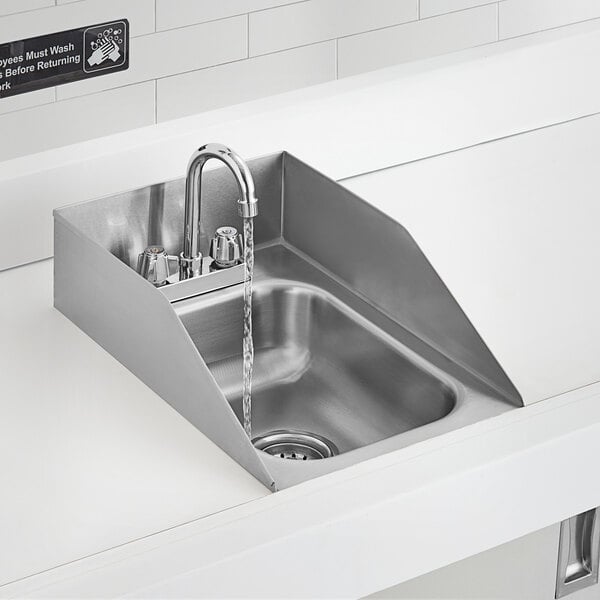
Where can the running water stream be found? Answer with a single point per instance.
(248, 345)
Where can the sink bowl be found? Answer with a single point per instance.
(328, 364)
(320, 366)
(360, 349)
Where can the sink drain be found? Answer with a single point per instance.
(295, 445)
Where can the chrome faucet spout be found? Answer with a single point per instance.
(191, 257)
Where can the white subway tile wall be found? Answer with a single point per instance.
(245, 80)
(8, 7)
(190, 56)
(318, 20)
(431, 8)
(75, 120)
(519, 17)
(179, 13)
(428, 37)
(27, 100)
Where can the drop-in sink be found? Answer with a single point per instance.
(360, 349)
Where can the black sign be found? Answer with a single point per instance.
(58, 58)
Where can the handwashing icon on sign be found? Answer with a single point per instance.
(104, 46)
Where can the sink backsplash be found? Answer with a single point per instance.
(126, 223)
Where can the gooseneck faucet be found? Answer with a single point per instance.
(190, 261)
(161, 269)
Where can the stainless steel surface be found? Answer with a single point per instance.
(318, 367)
(367, 348)
(295, 445)
(578, 553)
(377, 257)
(135, 323)
(247, 203)
(326, 361)
(226, 247)
(155, 265)
(127, 223)
(214, 279)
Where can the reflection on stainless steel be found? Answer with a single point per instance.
(156, 212)
(127, 223)
(226, 248)
(326, 361)
(579, 553)
(155, 265)
(319, 367)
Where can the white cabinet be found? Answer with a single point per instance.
(524, 569)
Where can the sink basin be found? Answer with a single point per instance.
(320, 366)
(331, 364)
(360, 349)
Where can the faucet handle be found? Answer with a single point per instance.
(155, 265)
(226, 247)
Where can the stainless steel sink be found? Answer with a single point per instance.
(359, 346)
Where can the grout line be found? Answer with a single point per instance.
(419, 20)
(233, 16)
(155, 101)
(103, 91)
(337, 64)
(455, 10)
(472, 8)
(157, 78)
(341, 37)
(419, 9)
(281, 6)
(155, 12)
(452, 12)
(498, 21)
(248, 35)
(187, 25)
(12, 111)
(554, 28)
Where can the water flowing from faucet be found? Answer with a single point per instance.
(248, 344)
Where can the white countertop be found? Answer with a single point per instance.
(512, 228)
(92, 459)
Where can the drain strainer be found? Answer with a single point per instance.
(295, 445)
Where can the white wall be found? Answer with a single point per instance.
(190, 56)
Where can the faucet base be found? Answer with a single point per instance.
(190, 267)
(211, 279)
(178, 277)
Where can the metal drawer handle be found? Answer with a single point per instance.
(578, 553)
